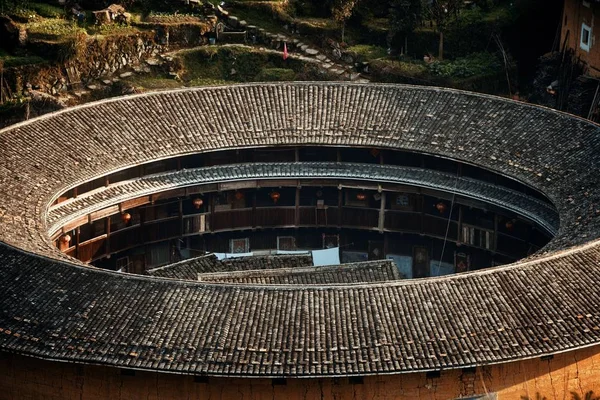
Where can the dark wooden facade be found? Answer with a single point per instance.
(163, 224)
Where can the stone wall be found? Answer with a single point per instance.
(560, 377)
(91, 59)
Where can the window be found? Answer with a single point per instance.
(586, 37)
(477, 237)
(287, 243)
(239, 245)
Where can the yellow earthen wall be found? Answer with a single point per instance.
(25, 378)
(575, 13)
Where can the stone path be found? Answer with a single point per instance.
(296, 48)
(303, 51)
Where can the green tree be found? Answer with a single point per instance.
(341, 10)
(442, 12)
(404, 17)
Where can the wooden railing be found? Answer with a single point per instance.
(407, 221)
(360, 217)
(275, 216)
(284, 217)
(92, 249)
(231, 219)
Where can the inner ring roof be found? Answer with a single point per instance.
(55, 308)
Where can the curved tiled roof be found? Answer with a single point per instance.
(536, 210)
(52, 307)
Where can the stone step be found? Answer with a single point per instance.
(311, 52)
(321, 57)
(154, 61)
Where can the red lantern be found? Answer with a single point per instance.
(198, 202)
(65, 239)
(239, 195)
(441, 207)
(275, 196)
(126, 217)
(361, 196)
(510, 224)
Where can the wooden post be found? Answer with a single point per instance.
(422, 204)
(254, 208)
(340, 203)
(77, 231)
(381, 213)
(212, 210)
(297, 210)
(107, 229)
(460, 218)
(181, 231)
(495, 242)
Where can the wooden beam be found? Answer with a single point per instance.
(69, 226)
(105, 212)
(133, 203)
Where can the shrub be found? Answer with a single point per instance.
(53, 28)
(276, 74)
(47, 10)
(465, 67)
(367, 52)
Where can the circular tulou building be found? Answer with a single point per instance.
(396, 242)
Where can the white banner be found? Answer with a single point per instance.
(326, 257)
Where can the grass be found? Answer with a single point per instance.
(9, 60)
(414, 69)
(218, 65)
(53, 29)
(207, 82)
(322, 23)
(465, 67)
(266, 16)
(377, 24)
(47, 10)
(368, 52)
(112, 29)
(22, 14)
(153, 82)
(276, 75)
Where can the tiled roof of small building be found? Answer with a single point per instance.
(360, 272)
(54, 307)
(189, 269)
(267, 262)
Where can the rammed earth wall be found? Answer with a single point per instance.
(562, 377)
